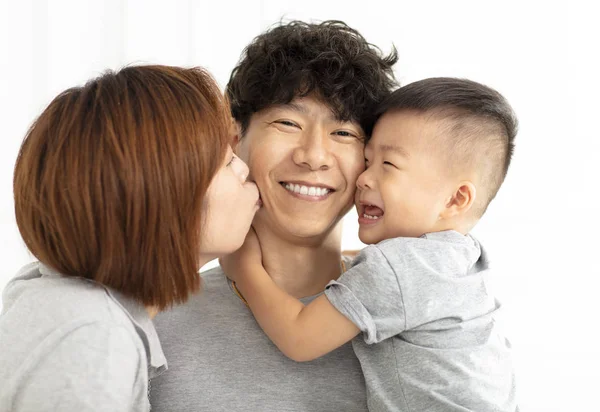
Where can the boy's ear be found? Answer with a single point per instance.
(235, 133)
(461, 200)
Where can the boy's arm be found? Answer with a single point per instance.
(302, 333)
(351, 253)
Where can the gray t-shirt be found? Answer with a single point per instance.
(220, 360)
(70, 344)
(430, 340)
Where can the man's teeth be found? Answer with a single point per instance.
(306, 190)
(371, 217)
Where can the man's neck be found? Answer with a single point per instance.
(301, 267)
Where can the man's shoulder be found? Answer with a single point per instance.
(215, 301)
(213, 342)
(214, 278)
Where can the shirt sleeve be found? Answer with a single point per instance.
(93, 368)
(369, 295)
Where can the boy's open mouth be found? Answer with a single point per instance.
(371, 212)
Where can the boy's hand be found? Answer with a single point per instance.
(245, 260)
(351, 253)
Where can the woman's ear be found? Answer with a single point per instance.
(461, 200)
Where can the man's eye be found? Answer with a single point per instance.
(287, 123)
(344, 133)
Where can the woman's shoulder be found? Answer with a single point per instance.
(51, 317)
(47, 301)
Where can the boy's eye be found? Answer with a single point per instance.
(389, 164)
(231, 161)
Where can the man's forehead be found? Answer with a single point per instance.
(297, 105)
(311, 106)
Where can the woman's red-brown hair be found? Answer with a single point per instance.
(110, 179)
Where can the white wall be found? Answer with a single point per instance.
(542, 229)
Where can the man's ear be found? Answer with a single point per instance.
(235, 131)
(461, 200)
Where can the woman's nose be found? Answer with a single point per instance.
(244, 170)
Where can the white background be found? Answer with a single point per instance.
(542, 230)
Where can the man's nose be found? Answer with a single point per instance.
(314, 152)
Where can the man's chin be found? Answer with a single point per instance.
(297, 226)
(309, 233)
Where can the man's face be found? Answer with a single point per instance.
(305, 163)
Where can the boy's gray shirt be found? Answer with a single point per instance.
(430, 340)
(221, 360)
(71, 344)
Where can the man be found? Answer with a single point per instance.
(302, 96)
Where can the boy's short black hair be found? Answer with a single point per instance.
(328, 59)
(480, 125)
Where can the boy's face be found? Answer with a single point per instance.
(305, 163)
(405, 186)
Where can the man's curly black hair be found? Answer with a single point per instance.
(328, 59)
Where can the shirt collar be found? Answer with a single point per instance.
(451, 236)
(137, 313)
(145, 328)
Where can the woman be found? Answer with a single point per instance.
(119, 191)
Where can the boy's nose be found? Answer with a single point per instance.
(365, 181)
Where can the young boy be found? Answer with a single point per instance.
(440, 151)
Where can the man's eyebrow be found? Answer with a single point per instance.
(293, 106)
(300, 108)
(394, 149)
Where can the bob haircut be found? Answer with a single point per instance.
(110, 180)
